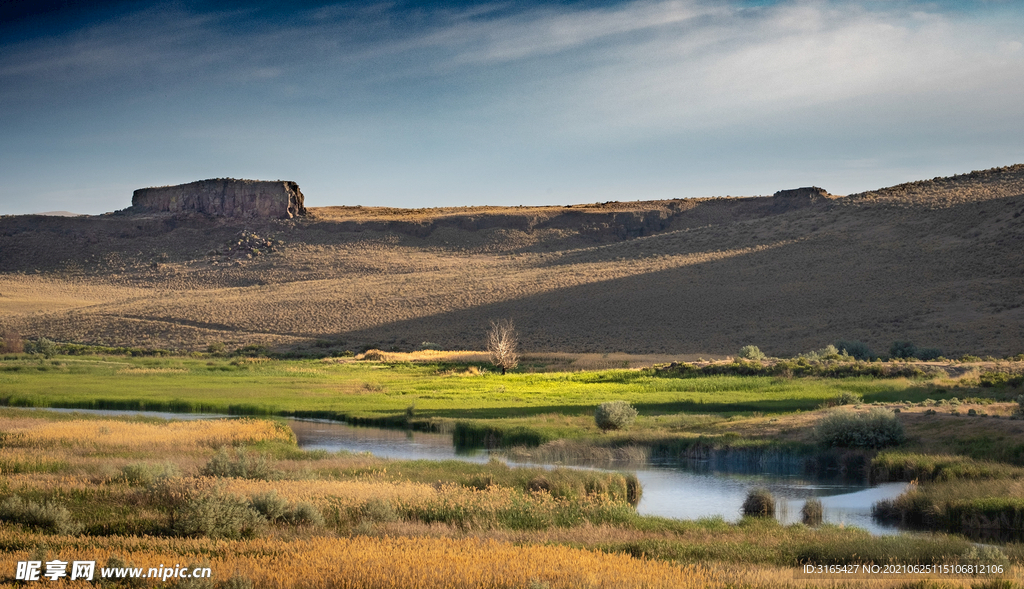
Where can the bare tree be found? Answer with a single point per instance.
(12, 343)
(503, 344)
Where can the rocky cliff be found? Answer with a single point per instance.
(224, 197)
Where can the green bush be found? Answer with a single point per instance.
(929, 354)
(216, 515)
(759, 503)
(276, 509)
(304, 514)
(144, 474)
(375, 510)
(242, 465)
(751, 353)
(270, 505)
(614, 415)
(902, 349)
(45, 516)
(847, 398)
(42, 346)
(858, 350)
(878, 428)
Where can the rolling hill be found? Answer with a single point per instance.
(938, 262)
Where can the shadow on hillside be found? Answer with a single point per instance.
(790, 299)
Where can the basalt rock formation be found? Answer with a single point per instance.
(223, 197)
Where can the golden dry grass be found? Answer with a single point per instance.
(936, 262)
(444, 563)
(116, 435)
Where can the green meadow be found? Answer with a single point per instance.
(438, 390)
(362, 390)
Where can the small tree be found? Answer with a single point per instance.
(751, 353)
(503, 344)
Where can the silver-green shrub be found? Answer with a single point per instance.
(614, 415)
(751, 353)
(145, 474)
(46, 516)
(878, 428)
(304, 514)
(242, 466)
(270, 505)
(217, 515)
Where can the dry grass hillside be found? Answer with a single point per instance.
(937, 262)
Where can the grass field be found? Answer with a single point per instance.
(531, 408)
(128, 489)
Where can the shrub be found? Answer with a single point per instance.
(431, 346)
(45, 516)
(42, 346)
(928, 354)
(275, 509)
(848, 398)
(759, 503)
(376, 510)
(902, 349)
(304, 514)
(143, 474)
(829, 352)
(216, 515)
(878, 428)
(812, 512)
(751, 353)
(614, 415)
(241, 466)
(858, 350)
(270, 505)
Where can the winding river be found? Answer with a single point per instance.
(669, 490)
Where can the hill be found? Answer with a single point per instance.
(937, 262)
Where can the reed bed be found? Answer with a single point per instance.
(990, 509)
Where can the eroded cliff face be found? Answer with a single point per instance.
(224, 197)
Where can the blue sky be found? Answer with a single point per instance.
(463, 103)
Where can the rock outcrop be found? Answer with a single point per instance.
(224, 197)
(807, 192)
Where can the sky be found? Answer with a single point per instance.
(426, 104)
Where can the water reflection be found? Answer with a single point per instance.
(386, 443)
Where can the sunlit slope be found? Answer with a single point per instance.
(937, 262)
